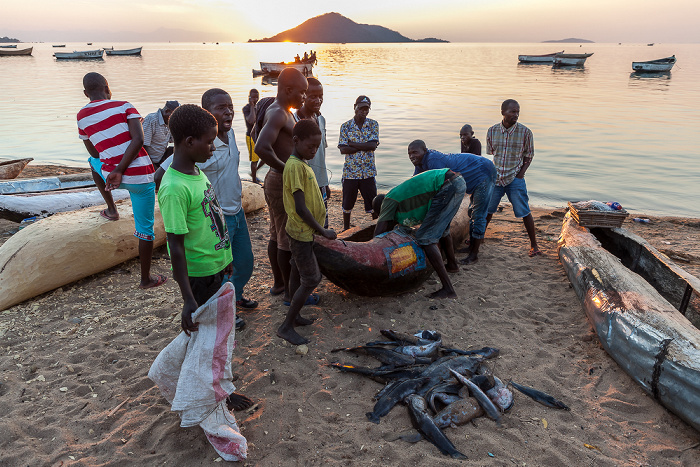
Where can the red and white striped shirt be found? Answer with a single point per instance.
(105, 124)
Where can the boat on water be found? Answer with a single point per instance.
(89, 43)
(80, 55)
(562, 59)
(390, 264)
(546, 58)
(11, 169)
(12, 46)
(650, 45)
(134, 51)
(274, 69)
(655, 66)
(11, 52)
(59, 45)
(642, 306)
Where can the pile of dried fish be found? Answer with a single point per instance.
(441, 386)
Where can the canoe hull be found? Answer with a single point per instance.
(654, 66)
(67, 247)
(80, 55)
(390, 264)
(34, 185)
(653, 342)
(136, 51)
(545, 58)
(274, 69)
(11, 169)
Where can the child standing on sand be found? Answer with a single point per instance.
(113, 136)
(198, 240)
(306, 214)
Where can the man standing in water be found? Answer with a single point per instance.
(274, 146)
(512, 146)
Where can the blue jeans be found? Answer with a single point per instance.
(443, 208)
(482, 198)
(242, 251)
(517, 195)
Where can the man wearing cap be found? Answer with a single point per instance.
(358, 140)
(156, 134)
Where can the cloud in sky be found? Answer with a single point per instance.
(454, 20)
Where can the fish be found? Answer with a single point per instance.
(481, 397)
(403, 338)
(438, 390)
(458, 413)
(381, 375)
(539, 396)
(426, 425)
(385, 356)
(500, 395)
(393, 396)
(427, 350)
(486, 352)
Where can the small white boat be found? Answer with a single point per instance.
(562, 59)
(13, 46)
(546, 58)
(80, 55)
(111, 51)
(8, 52)
(59, 45)
(659, 65)
(274, 69)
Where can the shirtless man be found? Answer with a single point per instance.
(274, 146)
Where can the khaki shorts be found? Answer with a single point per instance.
(278, 216)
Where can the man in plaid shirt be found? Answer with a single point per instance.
(512, 147)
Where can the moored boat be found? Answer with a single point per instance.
(59, 45)
(12, 46)
(546, 58)
(11, 169)
(562, 59)
(273, 69)
(389, 264)
(637, 300)
(134, 51)
(9, 52)
(653, 66)
(80, 55)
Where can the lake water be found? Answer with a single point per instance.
(601, 132)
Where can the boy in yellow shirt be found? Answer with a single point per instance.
(306, 215)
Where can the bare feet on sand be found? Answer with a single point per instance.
(291, 336)
(156, 280)
(301, 321)
(469, 260)
(443, 293)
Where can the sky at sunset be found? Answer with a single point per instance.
(673, 21)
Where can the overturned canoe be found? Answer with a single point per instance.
(18, 207)
(67, 247)
(389, 264)
(629, 293)
(11, 169)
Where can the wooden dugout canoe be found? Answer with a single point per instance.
(629, 299)
(390, 264)
(12, 52)
(11, 169)
(18, 207)
(67, 247)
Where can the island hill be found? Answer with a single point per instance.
(6, 39)
(572, 40)
(336, 28)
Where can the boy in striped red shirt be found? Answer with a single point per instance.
(113, 136)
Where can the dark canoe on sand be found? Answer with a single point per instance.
(390, 264)
(11, 169)
(636, 297)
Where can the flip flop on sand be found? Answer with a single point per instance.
(534, 252)
(160, 280)
(104, 214)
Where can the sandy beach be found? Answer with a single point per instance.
(74, 388)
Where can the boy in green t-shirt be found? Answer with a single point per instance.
(306, 215)
(198, 241)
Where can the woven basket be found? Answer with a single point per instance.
(593, 218)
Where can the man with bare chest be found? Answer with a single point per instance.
(274, 146)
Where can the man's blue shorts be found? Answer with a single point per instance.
(517, 195)
(143, 202)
